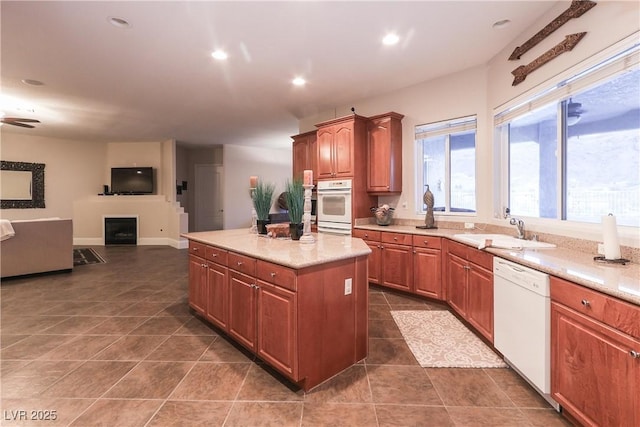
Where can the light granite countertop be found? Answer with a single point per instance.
(622, 281)
(290, 253)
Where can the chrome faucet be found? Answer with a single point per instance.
(520, 225)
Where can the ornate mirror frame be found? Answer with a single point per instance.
(37, 185)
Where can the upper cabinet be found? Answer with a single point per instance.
(339, 143)
(384, 154)
(304, 154)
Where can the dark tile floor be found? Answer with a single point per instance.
(115, 345)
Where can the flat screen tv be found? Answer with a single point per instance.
(132, 180)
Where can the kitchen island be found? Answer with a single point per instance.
(301, 308)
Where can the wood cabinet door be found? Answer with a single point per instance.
(374, 262)
(457, 284)
(427, 274)
(304, 154)
(397, 266)
(378, 156)
(300, 157)
(277, 332)
(242, 309)
(343, 150)
(593, 374)
(325, 152)
(197, 284)
(480, 300)
(217, 308)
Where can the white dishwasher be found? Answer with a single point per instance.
(521, 322)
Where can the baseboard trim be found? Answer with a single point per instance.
(180, 243)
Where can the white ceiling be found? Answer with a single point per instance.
(156, 80)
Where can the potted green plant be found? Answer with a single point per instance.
(294, 196)
(262, 199)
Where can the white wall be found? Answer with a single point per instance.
(73, 170)
(240, 162)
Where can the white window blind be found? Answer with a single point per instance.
(623, 62)
(446, 127)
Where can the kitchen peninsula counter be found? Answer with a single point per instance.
(301, 308)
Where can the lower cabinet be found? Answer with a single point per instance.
(470, 286)
(242, 309)
(427, 266)
(277, 332)
(197, 283)
(374, 261)
(397, 261)
(217, 306)
(299, 322)
(595, 356)
(411, 263)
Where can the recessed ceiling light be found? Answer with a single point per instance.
(219, 54)
(118, 22)
(390, 39)
(501, 24)
(32, 82)
(299, 81)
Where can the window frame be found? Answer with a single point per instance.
(444, 128)
(623, 57)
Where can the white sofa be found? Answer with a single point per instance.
(38, 246)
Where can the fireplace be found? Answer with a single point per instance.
(121, 231)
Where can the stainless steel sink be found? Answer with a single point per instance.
(502, 241)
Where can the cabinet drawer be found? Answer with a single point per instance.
(367, 235)
(398, 238)
(216, 255)
(197, 249)
(457, 249)
(276, 274)
(616, 313)
(481, 258)
(427, 242)
(242, 263)
(473, 255)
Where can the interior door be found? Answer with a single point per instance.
(208, 204)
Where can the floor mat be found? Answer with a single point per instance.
(86, 256)
(438, 340)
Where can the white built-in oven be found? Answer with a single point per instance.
(334, 206)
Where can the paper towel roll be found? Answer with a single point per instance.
(610, 237)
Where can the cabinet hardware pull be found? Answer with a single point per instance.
(395, 238)
(240, 262)
(426, 242)
(415, 252)
(273, 274)
(195, 249)
(585, 302)
(214, 255)
(634, 354)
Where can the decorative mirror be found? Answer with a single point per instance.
(21, 185)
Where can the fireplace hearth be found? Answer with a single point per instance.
(121, 231)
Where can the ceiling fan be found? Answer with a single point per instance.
(574, 112)
(17, 121)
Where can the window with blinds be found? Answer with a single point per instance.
(446, 162)
(572, 152)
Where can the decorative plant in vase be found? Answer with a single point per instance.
(294, 196)
(262, 199)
